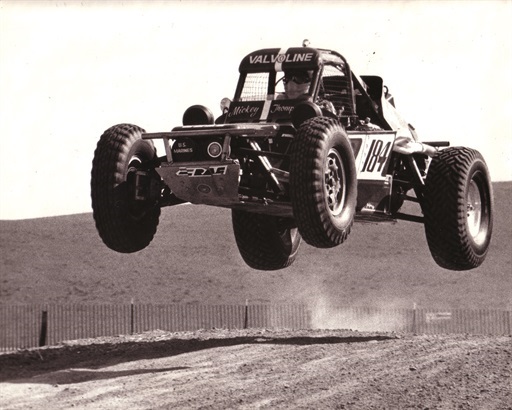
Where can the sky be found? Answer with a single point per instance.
(71, 69)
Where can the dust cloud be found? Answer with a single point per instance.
(384, 317)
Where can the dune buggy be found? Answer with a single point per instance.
(293, 169)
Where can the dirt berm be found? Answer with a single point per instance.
(258, 368)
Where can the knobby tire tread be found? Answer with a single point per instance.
(306, 170)
(445, 206)
(258, 241)
(118, 229)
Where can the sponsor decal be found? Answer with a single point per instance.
(278, 108)
(201, 171)
(249, 110)
(183, 146)
(280, 58)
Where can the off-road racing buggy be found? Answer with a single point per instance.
(295, 168)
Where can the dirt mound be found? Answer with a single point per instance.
(262, 369)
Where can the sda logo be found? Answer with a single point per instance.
(201, 172)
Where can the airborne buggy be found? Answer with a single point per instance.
(295, 168)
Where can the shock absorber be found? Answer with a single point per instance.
(267, 165)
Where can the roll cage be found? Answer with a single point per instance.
(332, 80)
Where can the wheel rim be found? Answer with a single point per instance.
(134, 164)
(335, 182)
(475, 212)
(136, 208)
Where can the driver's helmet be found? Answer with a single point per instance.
(296, 83)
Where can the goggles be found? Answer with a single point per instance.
(297, 78)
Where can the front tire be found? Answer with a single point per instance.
(265, 242)
(323, 182)
(458, 208)
(124, 223)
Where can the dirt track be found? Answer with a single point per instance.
(262, 369)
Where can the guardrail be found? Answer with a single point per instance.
(25, 326)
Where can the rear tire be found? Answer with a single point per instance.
(124, 224)
(323, 182)
(265, 242)
(458, 208)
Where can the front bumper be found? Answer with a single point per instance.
(227, 131)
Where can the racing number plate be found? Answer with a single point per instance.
(372, 154)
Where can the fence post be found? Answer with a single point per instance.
(131, 317)
(246, 314)
(414, 318)
(44, 328)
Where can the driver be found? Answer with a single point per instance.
(296, 84)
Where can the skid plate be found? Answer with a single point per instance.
(210, 183)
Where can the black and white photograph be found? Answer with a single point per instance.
(256, 205)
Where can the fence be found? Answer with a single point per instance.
(25, 326)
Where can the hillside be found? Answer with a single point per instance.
(194, 259)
